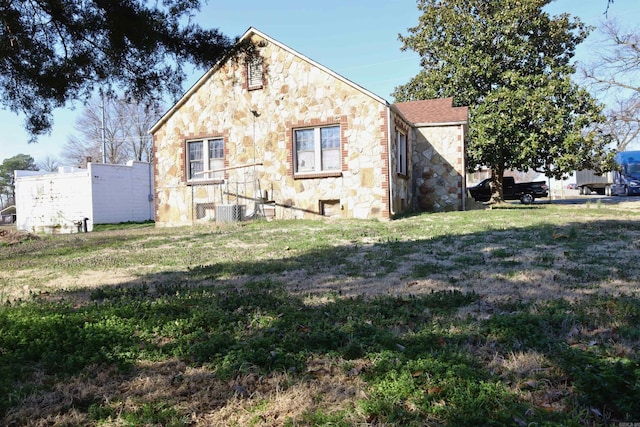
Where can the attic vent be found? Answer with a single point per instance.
(254, 73)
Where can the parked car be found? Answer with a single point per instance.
(526, 192)
(571, 186)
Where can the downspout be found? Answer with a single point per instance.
(151, 193)
(464, 168)
(92, 195)
(389, 148)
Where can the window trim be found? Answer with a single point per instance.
(402, 153)
(206, 157)
(318, 151)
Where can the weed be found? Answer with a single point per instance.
(544, 260)
(155, 414)
(426, 269)
(501, 253)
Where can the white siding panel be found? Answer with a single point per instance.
(57, 202)
(121, 193)
(52, 203)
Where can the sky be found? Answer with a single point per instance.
(357, 39)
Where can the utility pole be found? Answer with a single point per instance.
(104, 140)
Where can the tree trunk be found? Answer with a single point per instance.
(497, 195)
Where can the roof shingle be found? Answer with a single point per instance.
(433, 111)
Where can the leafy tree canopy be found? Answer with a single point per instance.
(56, 51)
(17, 162)
(509, 61)
(7, 181)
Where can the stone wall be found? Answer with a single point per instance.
(296, 93)
(438, 168)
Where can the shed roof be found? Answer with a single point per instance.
(433, 111)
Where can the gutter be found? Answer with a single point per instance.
(426, 125)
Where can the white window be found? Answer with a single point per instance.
(203, 157)
(401, 153)
(254, 73)
(317, 149)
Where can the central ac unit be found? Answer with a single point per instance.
(229, 213)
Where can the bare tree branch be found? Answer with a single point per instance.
(623, 123)
(616, 74)
(125, 132)
(618, 66)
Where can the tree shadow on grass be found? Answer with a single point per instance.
(181, 351)
(165, 347)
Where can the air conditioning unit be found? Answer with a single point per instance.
(229, 213)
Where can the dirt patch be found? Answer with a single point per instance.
(13, 237)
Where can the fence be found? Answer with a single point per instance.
(234, 199)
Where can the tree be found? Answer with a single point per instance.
(615, 75)
(56, 51)
(509, 61)
(7, 178)
(140, 117)
(623, 123)
(49, 164)
(619, 65)
(116, 125)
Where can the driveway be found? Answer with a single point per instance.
(573, 197)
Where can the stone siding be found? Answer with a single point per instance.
(438, 168)
(295, 93)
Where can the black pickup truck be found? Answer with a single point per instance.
(526, 192)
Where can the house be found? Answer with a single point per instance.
(74, 199)
(276, 134)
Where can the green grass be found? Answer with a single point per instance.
(123, 226)
(523, 323)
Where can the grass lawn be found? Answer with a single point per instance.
(519, 316)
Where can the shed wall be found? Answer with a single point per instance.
(121, 193)
(104, 194)
(53, 202)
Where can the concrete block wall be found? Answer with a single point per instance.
(121, 193)
(52, 203)
(57, 202)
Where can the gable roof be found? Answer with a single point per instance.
(433, 112)
(247, 35)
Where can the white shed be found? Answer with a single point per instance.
(74, 199)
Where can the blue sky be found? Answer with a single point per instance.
(357, 39)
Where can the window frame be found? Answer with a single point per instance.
(402, 153)
(318, 152)
(212, 157)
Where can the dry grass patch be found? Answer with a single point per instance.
(195, 392)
